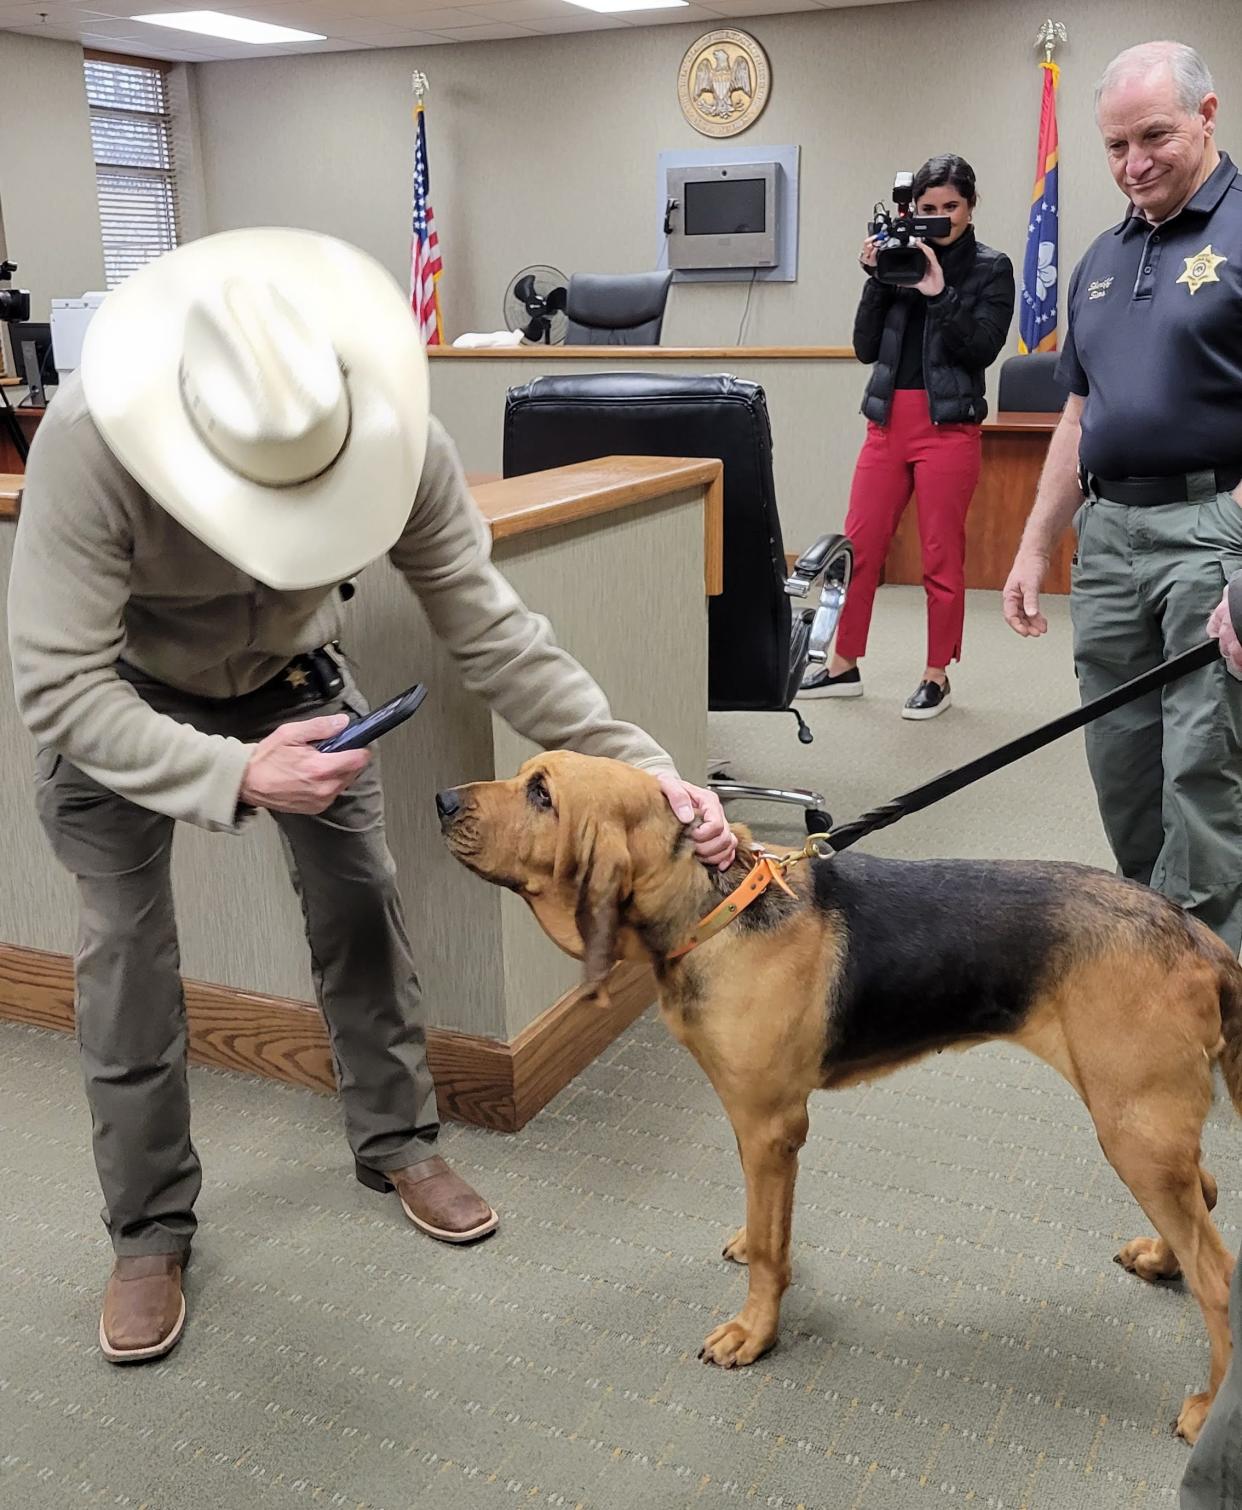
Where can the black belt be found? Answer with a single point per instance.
(1147, 492)
(312, 678)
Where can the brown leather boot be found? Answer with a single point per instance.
(143, 1309)
(435, 1199)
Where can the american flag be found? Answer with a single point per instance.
(425, 263)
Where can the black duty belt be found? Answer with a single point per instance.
(1148, 492)
(312, 678)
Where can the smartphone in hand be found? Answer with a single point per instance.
(363, 730)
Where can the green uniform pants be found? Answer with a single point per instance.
(1213, 1479)
(1167, 769)
(130, 1010)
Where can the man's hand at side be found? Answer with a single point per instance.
(714, 843)
(1020, 599)
(287, 774)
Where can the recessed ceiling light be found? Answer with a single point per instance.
(214, 23)
(607, 7)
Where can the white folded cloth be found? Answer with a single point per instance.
(490, 338)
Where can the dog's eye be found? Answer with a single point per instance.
(537, 793)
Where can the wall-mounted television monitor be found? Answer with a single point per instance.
(724, 216)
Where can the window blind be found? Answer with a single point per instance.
(135, 174)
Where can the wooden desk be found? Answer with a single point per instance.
(562, 495)
(611, 552)
(10, 493)
(28, 419)
(1014, 448)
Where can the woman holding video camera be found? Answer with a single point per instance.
(930, 344)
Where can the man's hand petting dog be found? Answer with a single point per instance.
(287, 774)
(713, 838)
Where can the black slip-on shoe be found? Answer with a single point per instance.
(927, 701)
(819, 683)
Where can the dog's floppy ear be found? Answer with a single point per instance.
(604, 882)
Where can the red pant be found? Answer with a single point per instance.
(941, 464)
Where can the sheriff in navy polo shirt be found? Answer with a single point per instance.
(1155, 339)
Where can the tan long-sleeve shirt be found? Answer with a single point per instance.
(102, 573)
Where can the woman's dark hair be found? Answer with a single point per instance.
(948, 168)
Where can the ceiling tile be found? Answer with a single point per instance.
(678, 15)
(123, 27)
(491, 31)
(740, 9)
(353, 25)
(521, 12)
(409, 13)
(363, 29)
(64, 33)
(587, 21)
(57, 15)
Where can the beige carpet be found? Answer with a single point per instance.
(956, 1333)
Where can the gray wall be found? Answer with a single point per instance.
(545, 150)
(47, 173)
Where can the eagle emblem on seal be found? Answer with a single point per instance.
(724, 81)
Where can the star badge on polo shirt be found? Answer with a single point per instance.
(1201, 269)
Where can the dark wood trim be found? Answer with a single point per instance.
(561, 1042)
(479, 1080)
(1022, 419)
(643, 353)
(713, 535)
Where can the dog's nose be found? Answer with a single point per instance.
(448, 805)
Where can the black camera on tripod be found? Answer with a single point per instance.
(14, 302)
(897, 261)
(14, 311)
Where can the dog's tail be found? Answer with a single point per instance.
(1230, 981)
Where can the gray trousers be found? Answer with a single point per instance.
(131, 1024)
(1213, 1478)
(1167, 769)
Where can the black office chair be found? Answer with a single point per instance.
(1028, 384)
(622, 309)
(758, 648)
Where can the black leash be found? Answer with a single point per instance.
(845, 834)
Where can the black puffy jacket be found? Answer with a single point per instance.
(966, 327)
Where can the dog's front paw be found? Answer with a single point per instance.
(735, 1248)
(1150, 1258)
(1190, 1418)
(737, 1343)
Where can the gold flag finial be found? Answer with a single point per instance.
(419, 81)
(1051, 35)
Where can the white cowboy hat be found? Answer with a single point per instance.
(269, 389)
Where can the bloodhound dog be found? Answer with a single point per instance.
(863, 965)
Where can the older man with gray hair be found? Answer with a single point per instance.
(1146, 462)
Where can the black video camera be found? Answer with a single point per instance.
(897, 261)
(14, 302)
